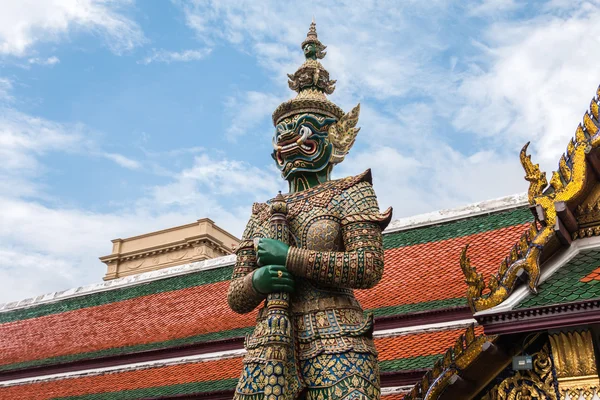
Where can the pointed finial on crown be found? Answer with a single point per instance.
(311, 81)
(316, 50)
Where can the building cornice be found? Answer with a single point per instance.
(542, 318)
(166, 248)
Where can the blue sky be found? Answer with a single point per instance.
(122, 117)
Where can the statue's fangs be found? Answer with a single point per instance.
(303, 253)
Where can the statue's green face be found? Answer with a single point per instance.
(310, 50)
(301, 145)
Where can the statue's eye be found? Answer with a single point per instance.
(305, 131)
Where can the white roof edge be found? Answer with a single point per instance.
(471, 210)
(556, 262)
(417, 221)
(120, 283)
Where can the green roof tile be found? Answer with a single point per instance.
(418, 307)
(161, 391)
(110, 296)
(565, 285)
(458, 228)
(407, 364)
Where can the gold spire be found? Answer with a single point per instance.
(312, 83)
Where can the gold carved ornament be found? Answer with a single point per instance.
(342, 135)
(575, 364)
(566, 185)
(467, 347)
(536, 384)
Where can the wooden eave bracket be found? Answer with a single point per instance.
(566, 224)
(593, 159)
(538, 213)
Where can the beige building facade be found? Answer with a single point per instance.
(183, 244)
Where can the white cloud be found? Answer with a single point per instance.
(530, 79)
(247, 110)
(436, 134)
(44, 61)
(218, 177)
(535, 83)
(5, 89)
(494, 7)
(46, 245)
(23, 138)
(53, 248)
(168, 57)
(45, 248)
(23, 23)
(122, 160)
(381, 49)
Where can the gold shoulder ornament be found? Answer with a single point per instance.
(342, 135)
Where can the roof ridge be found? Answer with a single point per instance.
(452, 214)
(118, 283)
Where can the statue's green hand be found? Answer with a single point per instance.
(271, 252)
(272, 278)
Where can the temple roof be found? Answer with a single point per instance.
(550, 278)
(420, 309)
(578, 279)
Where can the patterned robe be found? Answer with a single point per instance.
(336, 227)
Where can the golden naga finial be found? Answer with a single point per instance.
(473, 279)
(567, 185)
(535, 177)
(342, 135)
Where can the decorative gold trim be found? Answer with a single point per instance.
(567, 185)
(528, 385)
(575, 363)
(467, 348)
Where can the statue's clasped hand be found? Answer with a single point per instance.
(271, 252)
(272, 278)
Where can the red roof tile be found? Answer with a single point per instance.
(594, 275)
(131, 380)
(395, 396)
(413, 274)
(418, 344)
(391, 348)
(431, 271)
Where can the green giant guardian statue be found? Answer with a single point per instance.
(303, 253)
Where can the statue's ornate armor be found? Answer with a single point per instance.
(336, 247)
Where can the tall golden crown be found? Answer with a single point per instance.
(311, 82)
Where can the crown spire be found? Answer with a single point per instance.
(312, 46)
(311, 81)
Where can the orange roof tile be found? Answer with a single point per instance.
(431, 271)
(131, 380)
(390, 348)
(418, 344)
(395, 396)
(413, 274)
